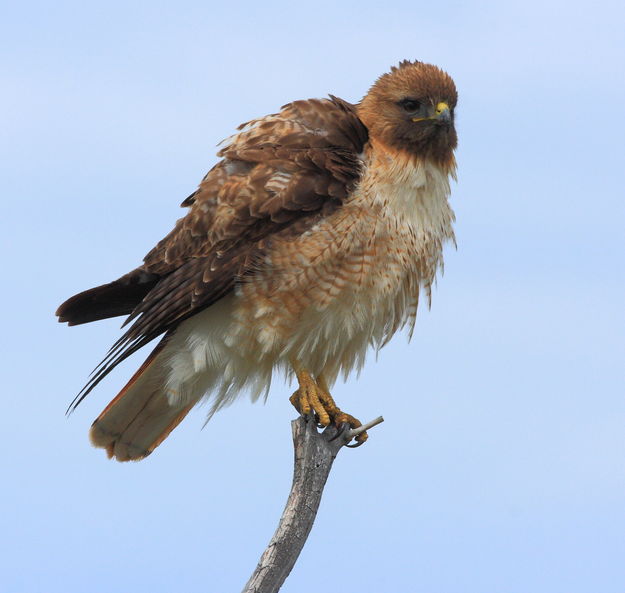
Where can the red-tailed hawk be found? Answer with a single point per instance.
(307, 244)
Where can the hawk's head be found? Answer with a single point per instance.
(411, 108)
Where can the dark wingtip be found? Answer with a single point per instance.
(116, 298)
(61, 312)
(62, 318)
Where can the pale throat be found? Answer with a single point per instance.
(406, 187)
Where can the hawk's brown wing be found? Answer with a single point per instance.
(279, 174)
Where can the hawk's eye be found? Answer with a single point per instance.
(410, 105)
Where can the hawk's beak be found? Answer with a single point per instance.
(442, 112)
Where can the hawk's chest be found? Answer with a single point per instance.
(407, 217)
(355, 276)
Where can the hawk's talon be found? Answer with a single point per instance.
(300, 404)
(313, 398)
(360, 440)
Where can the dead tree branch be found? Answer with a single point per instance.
(314, 455)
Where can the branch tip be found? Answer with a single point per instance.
(354, 432)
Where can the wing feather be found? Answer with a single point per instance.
(279, 174)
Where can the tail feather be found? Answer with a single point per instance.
(116, 298)
(140, 417)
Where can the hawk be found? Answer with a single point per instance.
(308, 243)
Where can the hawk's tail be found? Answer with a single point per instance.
(141, 417)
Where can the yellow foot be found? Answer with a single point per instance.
(314, 396)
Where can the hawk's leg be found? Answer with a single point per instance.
(314, 395)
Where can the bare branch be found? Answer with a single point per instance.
(354, 432)
(314, 454)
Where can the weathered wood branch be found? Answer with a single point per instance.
(314, 454)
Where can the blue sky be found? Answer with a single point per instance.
(501, 465)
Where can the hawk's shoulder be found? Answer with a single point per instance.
(275, 170)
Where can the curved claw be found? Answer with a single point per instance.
(357, 443)
(341, 430)
(360, 438)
